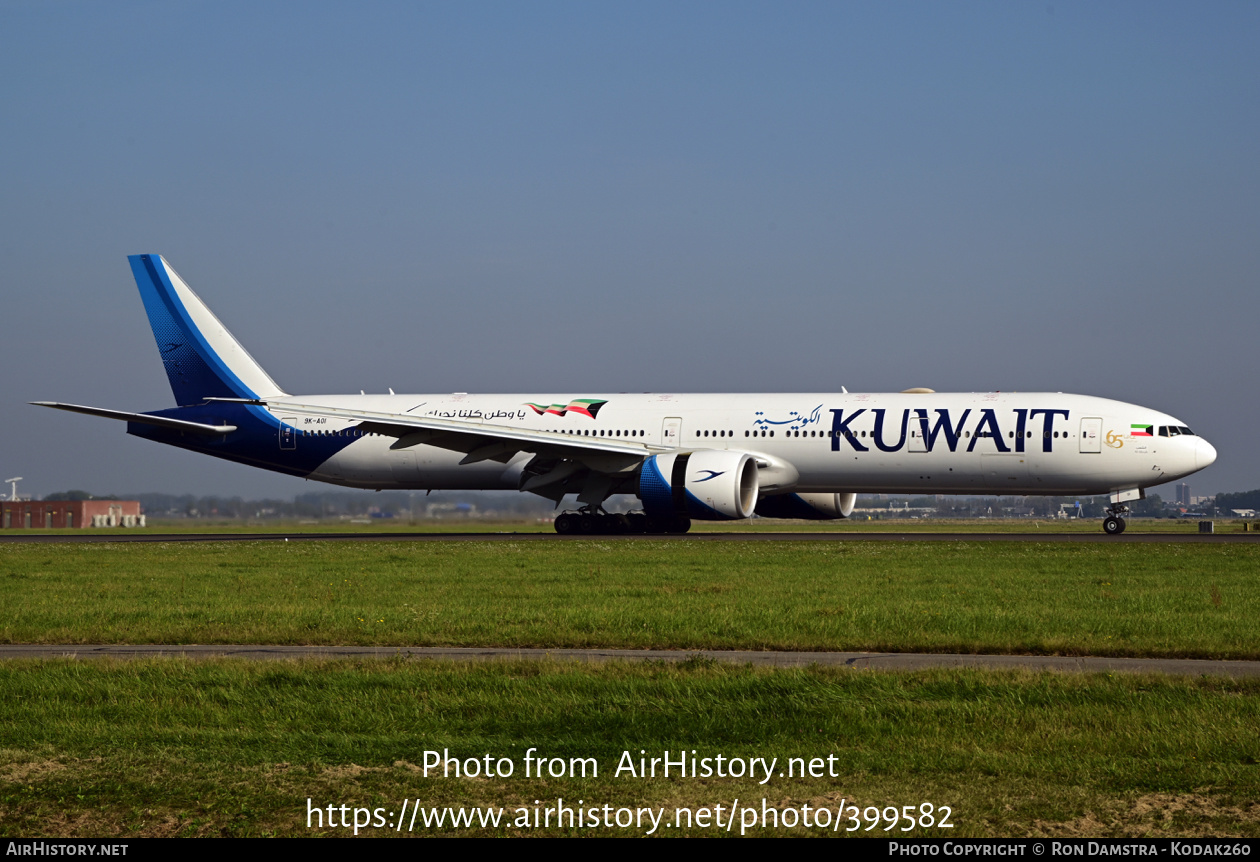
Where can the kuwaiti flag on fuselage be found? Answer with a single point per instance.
(584, 406)
(1140, 430)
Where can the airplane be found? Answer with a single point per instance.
(685, 456)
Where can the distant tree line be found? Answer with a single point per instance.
(511, 505)
(1044, 507)
(1239, 500)
(329, 504)
(79, 495)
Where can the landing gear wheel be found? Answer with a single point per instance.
(1114, 523)
(591, 521)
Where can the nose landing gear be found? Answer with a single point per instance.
(1113, 524)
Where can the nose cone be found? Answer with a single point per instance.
(1204, 453)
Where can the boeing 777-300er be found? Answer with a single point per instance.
(705, 457)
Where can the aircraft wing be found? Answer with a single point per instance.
(480, 441)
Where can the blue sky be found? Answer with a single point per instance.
(590, 197)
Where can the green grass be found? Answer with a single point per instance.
(220, 747)
(1175, 600)
(153, 748)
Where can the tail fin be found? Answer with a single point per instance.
(202, 359)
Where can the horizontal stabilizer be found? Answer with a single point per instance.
(142, 418)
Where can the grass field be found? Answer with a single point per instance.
(235, 748)
(1193, 601)
(222, 747)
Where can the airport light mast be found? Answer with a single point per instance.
(12, 483)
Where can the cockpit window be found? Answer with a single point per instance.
(1185, 430)
(1174, 431)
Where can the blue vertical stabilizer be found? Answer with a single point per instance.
(202, 359)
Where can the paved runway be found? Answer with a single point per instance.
(17, 536)
(853, 660)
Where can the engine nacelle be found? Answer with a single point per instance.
(809, 507)
(708, 485)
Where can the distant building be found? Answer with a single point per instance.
(1070, 510)
(1183, 494)
(47, 514)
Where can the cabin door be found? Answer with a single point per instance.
(671, 431)
(1091, 434)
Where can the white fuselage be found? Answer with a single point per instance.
(935, 443)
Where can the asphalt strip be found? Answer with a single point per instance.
(853, 660)
(18, 537)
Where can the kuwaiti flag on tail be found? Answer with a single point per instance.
(584, 406)
(1140, 430)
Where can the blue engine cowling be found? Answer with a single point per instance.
(707, 485)
(809, 507)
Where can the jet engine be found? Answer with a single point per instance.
(809, 507)
(707, 485)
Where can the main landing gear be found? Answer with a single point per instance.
(1113, 524)
(593, 521)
